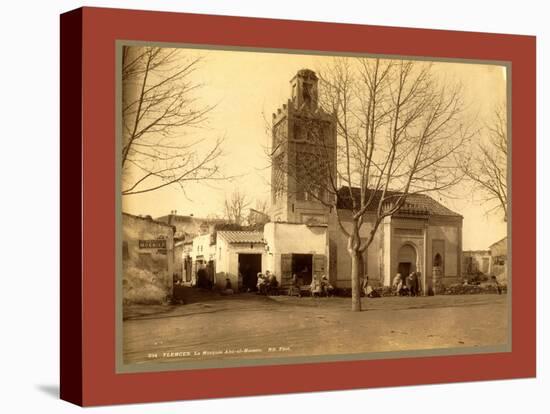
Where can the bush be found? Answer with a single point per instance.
(476, 278)
(461, 289)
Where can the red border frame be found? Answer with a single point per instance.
(88, 110)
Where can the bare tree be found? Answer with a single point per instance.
(235, 206)
(160, 110)
(486, 166)
(398, 133)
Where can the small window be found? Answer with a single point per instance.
(125, 251)
(499, 260)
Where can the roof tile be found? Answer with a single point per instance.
(242, 236)
(415, 203)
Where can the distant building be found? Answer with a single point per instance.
(499, 259)
(203, 256)
(476, 262)
(190, 226)
(257, 218)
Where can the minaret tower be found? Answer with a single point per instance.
(303, 155)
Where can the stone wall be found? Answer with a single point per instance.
(147, 259)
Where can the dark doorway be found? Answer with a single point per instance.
(188, 268)
(302, 265)
(406, 258)
(249, 267)
(438, 262)
(404, 269)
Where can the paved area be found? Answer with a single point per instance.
(251, 326)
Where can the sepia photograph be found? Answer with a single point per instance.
(280, 207)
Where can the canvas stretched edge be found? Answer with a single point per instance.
(101, 396)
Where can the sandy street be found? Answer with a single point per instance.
(248, 326)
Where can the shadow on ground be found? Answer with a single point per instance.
(51, 390)
(200, 301)
(193, 298)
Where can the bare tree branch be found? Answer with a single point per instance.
(235, 205)
(161, 113)
(486, 165)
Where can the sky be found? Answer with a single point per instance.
(247, 87)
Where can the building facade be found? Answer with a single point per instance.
(240, 256)
(187, 227)
(475, 262)
(423, 236)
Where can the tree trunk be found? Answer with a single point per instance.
(355, 282)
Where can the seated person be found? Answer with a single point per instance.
(272, 284)
(272, 279)
(365, 287)
(369, 291)
(364, 281)
(294, 288)
(315, 286)
(402, 289)
(326, 287)
(228, 287)
(260, 285)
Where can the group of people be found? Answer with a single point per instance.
(320, 286)
(267, 283)
(403, 285)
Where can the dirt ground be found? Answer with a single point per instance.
(248, 326)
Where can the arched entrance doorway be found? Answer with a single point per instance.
(406, 260)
